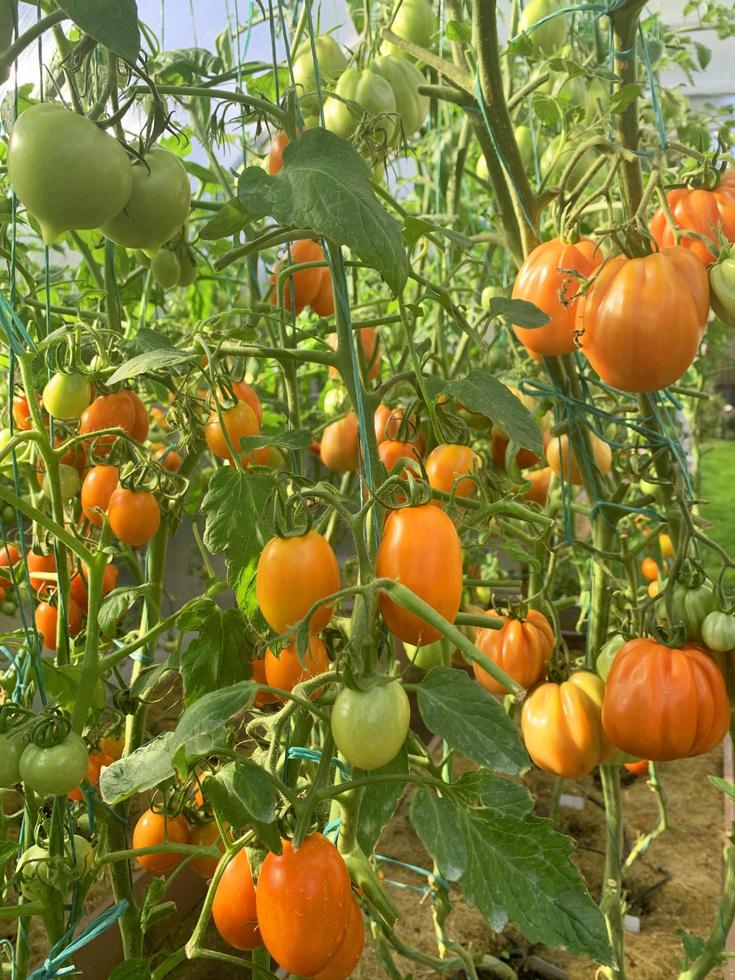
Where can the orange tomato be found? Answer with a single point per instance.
(275, 153)
(388, 423)
(391, 451)
(134, 516)
(46, 617)
(9, 556)
(140, 416)
(155, 828)
(340, 447)
(522, 648)
(539, 489)
(109, 412)
(234, 906)
(447, 463)
(96, 761)
(565, 464)
(650, 569)
(303, 285)
(205, 834)
(239, 421)
(44, 566)
(323, 303)
(112, 746)
(710, 213)
(294, 573)
(344, 961)
(370, 344)
(98, 486)
(21, 412)
(246, 393)
(639, 768)
(262, 697)
(285, 670)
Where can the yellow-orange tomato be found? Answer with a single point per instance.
(539, 489)
(663, 704)
(115, 411)
(275, 153)
(340, 446)
(323, 302)
(233, 908)
(301, 286)
(262, 697)
(391, 450)
(650, 569)
(447, 464)
(155, 828)
(420, 549)
(370, 344)
(134, 516)
(99, 485)
(388, 422)
(285, 670)
(641, 320)
(522, 648)
(547, 280)
(112, 746)
(562, 727)
(205, 834)
(344, 961)
(709, 213)
(294, 573)
(666, 545)
(246, 393)
(239, 421)
(565, 464)
(653, 588)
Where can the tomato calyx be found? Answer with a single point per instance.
(50, 730)
(13, 717)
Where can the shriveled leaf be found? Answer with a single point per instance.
(138, 772)
(113, 23)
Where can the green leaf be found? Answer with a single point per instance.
(694, 946)
(138, 772)
(243, 795)
(622, 97)
(62, 685)
(201, 727)
(470, 720)
(116, 603)
(229, 220)
(724, 785)
(325, 186)
(163, 359)
(481, 392)
(8, 850)
(113, 23)
(380, 801)
(518, 311)
(457, 30)
(288, 439)
(137, 969)
(216, 658)
(514, 867)
(201, 173)
(546, 109)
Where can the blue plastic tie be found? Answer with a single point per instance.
(52, 965)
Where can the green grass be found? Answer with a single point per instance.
(718, 489)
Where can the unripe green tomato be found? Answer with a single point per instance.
(65, 396)
(718, 631)
(276, 459)
(189, 269)
(11, 749)
(35, 868)
(5, 437)
(332, 62)
(488, 295)
(56, 770)
(336, 401)
(722, 290)
(166, 268)
(524, 138)
(158, 204)
(414, 21)
(437, 654)
(404, 78)
(33, 873)
(374, 96)
(69, 479)
(369, 727)
(689, 608)
(8, 608)
(8, 680)
(68, 172)
(549, 37)
(8, 514)
(607, 654)
(6, 33)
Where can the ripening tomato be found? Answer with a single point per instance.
(44, 566)
(391, 451)
(304, 902)
(275, 153)
(664, 704)
(709, 213)
(262, 697)
(343, 963)
(239, 421)
(46, 617)
(641, 320)
(389, 424)
(522, 648)
(323, 303)
(285, 670)
(340, 444)
(540, 481)
(650, 569)
(302, 285)
(9, 556)
(447, 464)
(246, 393)
(170, 459)
(108, 412)
(370, 726)
(134, 516)
(205, 834)
(65, 396)
(22, 413)
(155, 828)
(294, 573)
(370, 344)
(234, 907)
(547, 280)
(718, 631)
(562, 727)
(565, 464)
(140, 419)
(99, 485)
(420, 549)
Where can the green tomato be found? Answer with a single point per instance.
(404, 78)
(56, 770)
(414, 21)
(524, 138)
(166, 268)
(5, 437)
(369, 727)
(437, 654)
(69, 479)
(8, 607)
(488, 294)
(549, 37)
(65, 396)
(336, 401)
(142, 257)
(722, 290)
(689, 608)
(189, 269)
(38, 871)
(34, 872)
(718, 631)
(332, 62)
(11, 749)
(373, 95)
(68, 172)
(276, 459)
(607, 654)
(158, 205)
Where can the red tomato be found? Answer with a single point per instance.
(46, 617)
(285, 670)
(154, 828)
(710, 213)
(522, 648)
(294, 573)
(134, 516)
(99, 485)
(9, 555)
(44, 566)
(234, 905)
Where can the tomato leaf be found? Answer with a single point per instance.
(166, 359)
(481, 392)
(138, 772)
(513, 866)
(201, 727)
(287, 439)
(470, 720)
(113, 23)
(518, 311)
(325, 186)
(724, 785)
(415, 228)
(244, 796)
(380, 801)
(134, 969)
(230, 219)
(116, 603)
(622, 97)
(216, 658)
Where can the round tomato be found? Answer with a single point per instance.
(722, 290)
(67, 171)
(550, 279)
(522, 648)
(413, 20)
(285, 670)
(304, 902)
(46, 618)
(664, 704)
(404, 78)
(565, 464)
(641, 320)
(246, 393)
(12, 747)
(65, 396)
(300, 286)
(115, 411)
(42, 571)
(540, 481)
(370, 344)
(112, 745)
(154, 828)
(98, 487)
(234, 908)
(158, 204)
(447, 464)
(607, 655)
(170, 459)
(134, 516)
(344, 961)
(69, 483)
(36, 868)
(709, 213)
(340, 444)
(166, 268)
(373, 95)
(549, 36)
(57, 769)
(718, 631)
(294, 573)
(420, 549)
(323, 302)
(9, 556)
(650, 569)
(369, 727)
(562, 727)
(239, 422)
(332, 62)
(205, 834)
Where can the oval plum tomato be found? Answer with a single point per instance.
(340, 446)
(332, 62)
(323, 303)
(370, 726)
(57, 769)
(722, 289)
(522, 648)
(389, 424)
(98, 487)
(565, 465)
(650, 569)
(549, 36)
(65, 396)
(344, 961)
(140, 422)
(370, 344)
(234, 908)
(641, 320)
(304, 902)
(362, 93)
(116, 411)
(205, 834)
(262, 697)
(239, 421)
(155, 828)
(246, 393)
(22, 413)
(523, 458)
(170, 459)
(9, 556)
(391, 451)
(46, 617)
(710, 213)
(639, 768)
(413, 20)
(275, 153)
(718, 631)
(404, 78)
(166, 268)
(94, 767)
(294, 573)
(42, 571)
(134, 516)
(547, 280)
(664, 704)
(540, 481)
(420, 549)
(302, 285)
(447, 464)
(285, 670)
(562, 727)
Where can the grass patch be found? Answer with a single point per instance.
(718, 489)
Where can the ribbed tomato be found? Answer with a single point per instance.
(420, 549)
(547, 280)
(664, 704)
(285, 670)
(562, 727)
(304, 902)
(641, 320)
(447, 463)
(340, 446)
(522, 648)
(294, 573)
(710, 213)
(233, 908)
